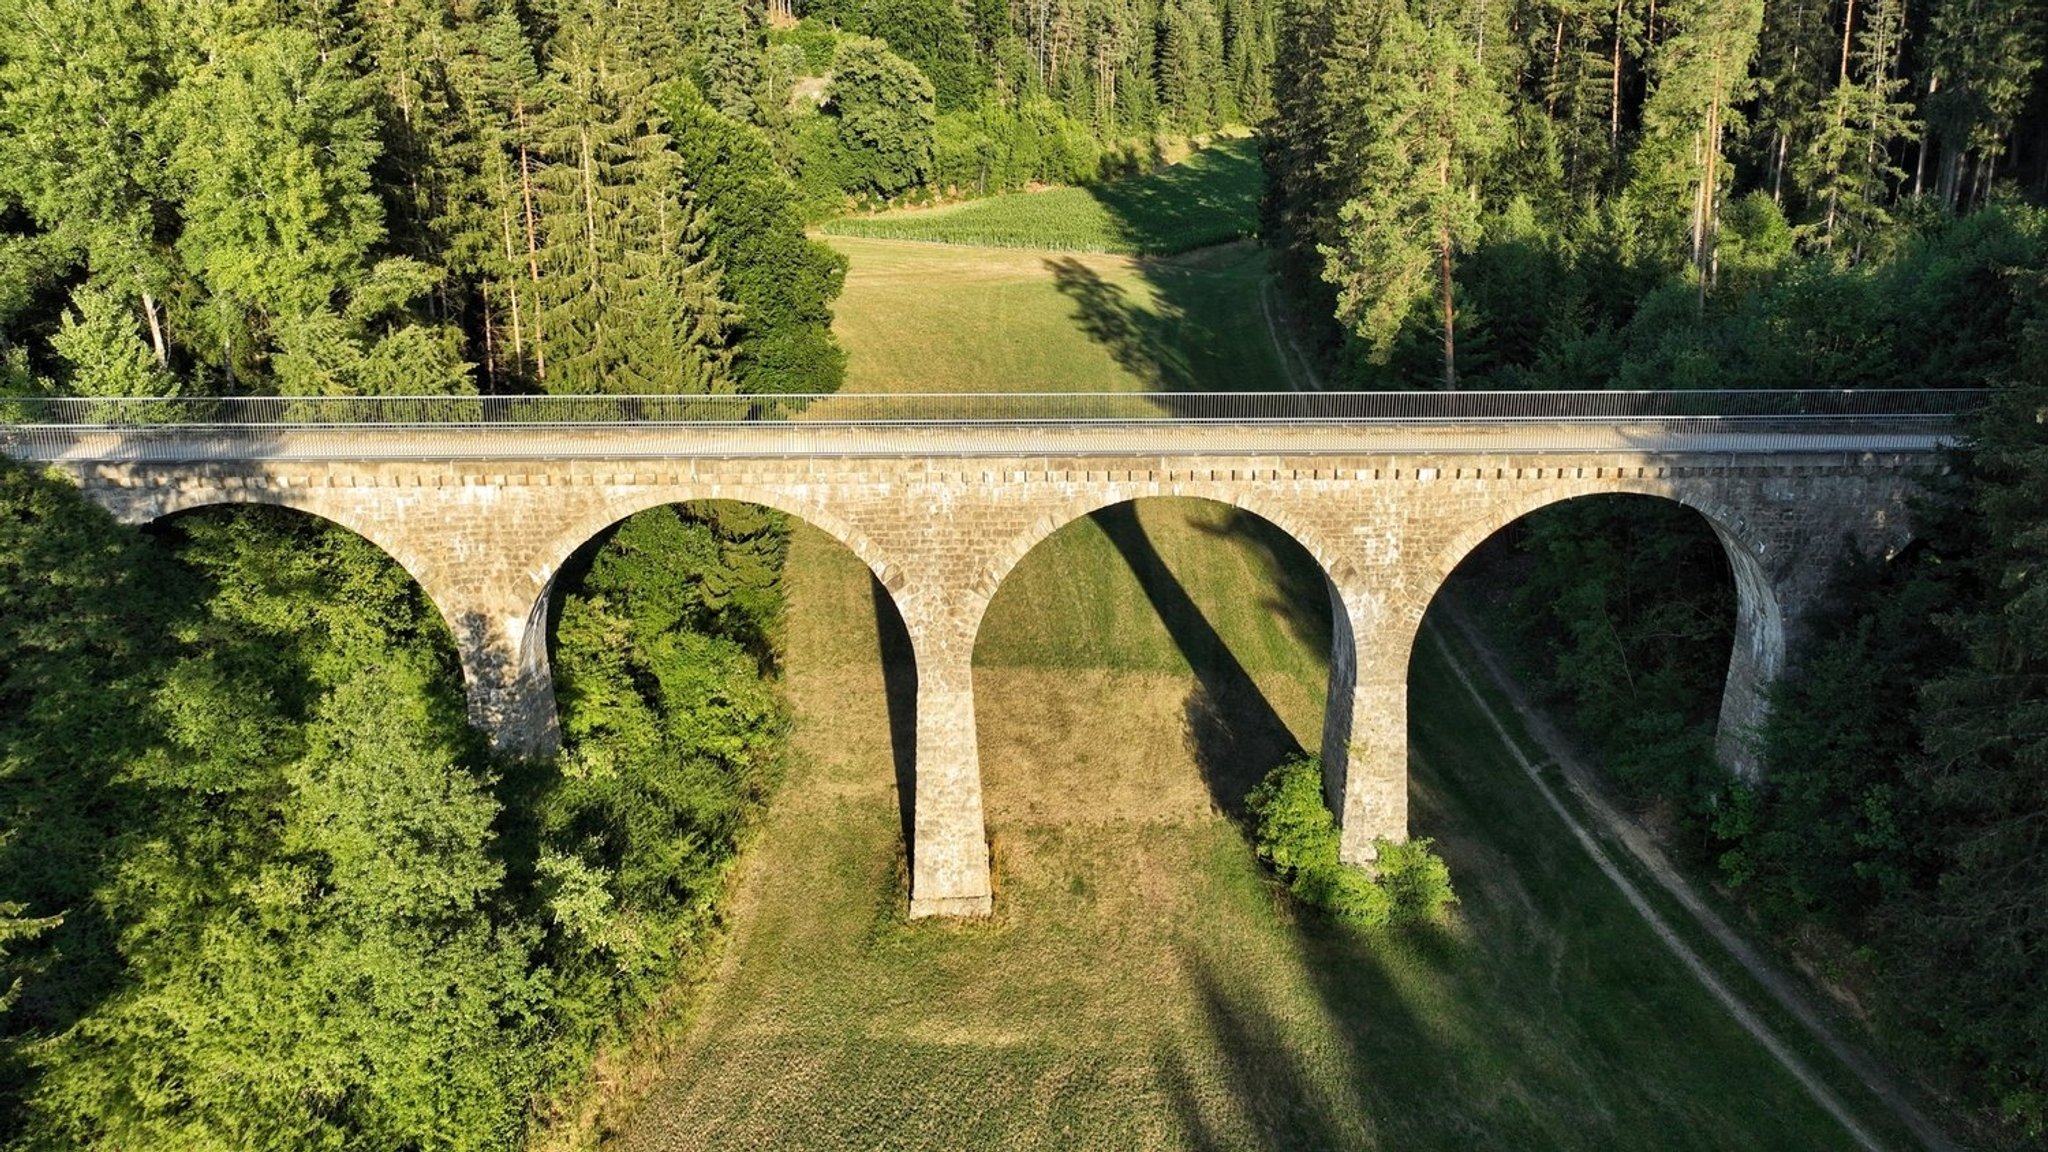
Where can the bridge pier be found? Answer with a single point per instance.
(949, 860)
(1365, 725)
(1756, 661)
(505, 671)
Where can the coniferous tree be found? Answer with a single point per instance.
(1701, 74)
(82, 123)
(1982, 60)
(628, 300)
(1434, 123)
(728, 55)
(1849, 171)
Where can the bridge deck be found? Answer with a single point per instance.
(257, 428)
(225, 444)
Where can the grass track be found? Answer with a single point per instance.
(1143, 984)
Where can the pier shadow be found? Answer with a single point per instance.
(1232, 728)
(899, 686)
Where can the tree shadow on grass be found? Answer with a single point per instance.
(1233, 730)
(1211, 197)
(1301, 596)
(1143, 342)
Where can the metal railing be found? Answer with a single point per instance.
(1001, 408)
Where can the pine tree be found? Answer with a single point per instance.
(502, 88)
(1701, 72)
(1431, 122)
(107, 357)
(629, 302)
(1793, 61)
(1982, 60)
(83, 86)
(728, 54)
(1849, 172)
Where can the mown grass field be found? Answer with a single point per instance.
(1210, 198)
(943, 318)
(1143, 984)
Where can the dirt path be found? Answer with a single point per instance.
(1292, 358)
(1586, 789)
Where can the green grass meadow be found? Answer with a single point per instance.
(1143, 984)
(941, 318)
(1212, 197)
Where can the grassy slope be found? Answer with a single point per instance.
(1142, 983)
(938, 318)
(1210, 198)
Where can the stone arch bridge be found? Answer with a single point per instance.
(482, 500)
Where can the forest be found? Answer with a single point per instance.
(261, 886)
(1740, 194)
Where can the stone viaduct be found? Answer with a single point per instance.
(484, 517)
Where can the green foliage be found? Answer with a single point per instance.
(780, 282)
(628, 298)
(1409, 196)
(1210, 198)
(672, 737)
(12, 928)
(302, 908)
(1905, 765)
(1631, 601)
(885, 114)
(1293, 831)
(99, 342)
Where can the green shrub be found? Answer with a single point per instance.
(1293, 831)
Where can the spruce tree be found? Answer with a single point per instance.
(628, 300)
(1701, 75)
(1983, 58)
(1430, 121)
(1849, 171)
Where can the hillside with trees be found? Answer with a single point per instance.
(1739, 194)
(262, 886)
(1698, 193)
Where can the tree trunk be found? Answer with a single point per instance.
(511, 261)
(1778, 169)
(1443, 265)
(1556, 55)
(1848, 22)
(1920, 164)
(156, 330)
(1614, 94)
(540, 347)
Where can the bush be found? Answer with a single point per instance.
(1293, 831)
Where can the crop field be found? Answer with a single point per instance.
(1210, 198)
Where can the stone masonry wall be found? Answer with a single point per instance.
(485, 539)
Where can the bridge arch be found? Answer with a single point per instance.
(567, 538)
(1245, 498)
(313, 502)
(1757, 656)
(1199, 731)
